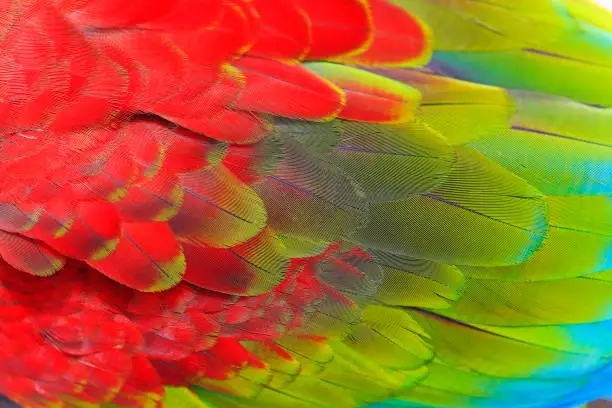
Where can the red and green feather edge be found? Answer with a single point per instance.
(93, 102)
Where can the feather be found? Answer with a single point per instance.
(29, 256)
(417, 282)
(392, 162)
(288, 89)
(218, 209)
(339, 27)
(306, 197)
(574, 221)
(253, 267)
(284, 31)
(479, 200)
(460, 111)
(453, 341)
(569, 154)
(154, 259)
(398, 38)
(369, 97)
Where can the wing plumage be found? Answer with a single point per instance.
(265, 203)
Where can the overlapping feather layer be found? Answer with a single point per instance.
(264, 203)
